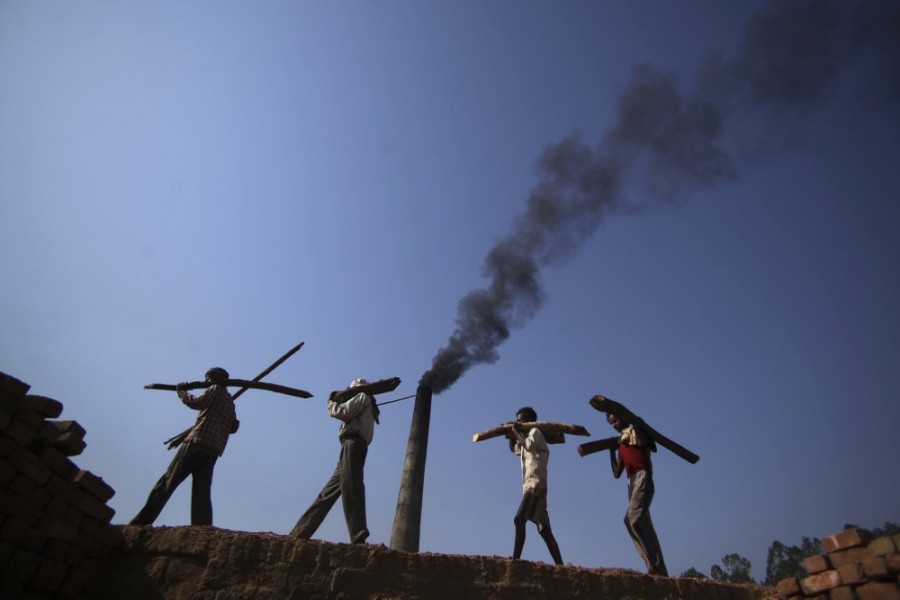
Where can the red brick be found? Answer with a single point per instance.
(6, 549)
(77, 553)
(5, 418)
(39, 498)
(109, 536)
(48, 407)
(7, 445)
(35, 540)
(876, 568)
(75, 582)
(74, 516)
(70, 440)
(19, 432)
(94, 508)
(816, 564)
(820, 582)
(58, 462)
(845, 592)
(58, 529)
(56, 550)
(30, 465)
(11, 589)
(30, 417)
(788, 587)
(20, 567)
(883, 545)
(56, 508)
(893, 562)
(848, 538)
(10, 387)
(7, 472)
(876, 590)
(50, 576)
(14, 507)
(21, 486)
(15, 531)
(90, 526)
(851, 555)
(66, 491)
(852, 574)
(94, 485)
(70, 444)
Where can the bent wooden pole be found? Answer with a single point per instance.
(245, 384)
(176, 440)
(593, 446)
(606, 405)
(553, 431)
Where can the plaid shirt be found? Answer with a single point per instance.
(216, 416)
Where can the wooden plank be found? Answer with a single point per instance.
(554, 432)
(606, 405)
(243, 383)
(372, 388)
(598, 446)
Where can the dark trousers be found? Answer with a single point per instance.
(346, 483)
(534, 508)
(193, 460)
(640, 525)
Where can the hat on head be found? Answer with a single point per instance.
(358, 382)
(217, 374)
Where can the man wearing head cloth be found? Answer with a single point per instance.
(358, 417)
(198, 454)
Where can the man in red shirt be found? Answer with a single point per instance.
(633, 457)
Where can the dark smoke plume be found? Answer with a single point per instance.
(787, 65)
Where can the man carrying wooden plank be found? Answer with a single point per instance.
(358, 416)
(633, 456)
(534, 454)
(197, 456)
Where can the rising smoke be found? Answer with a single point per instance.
(788, 64)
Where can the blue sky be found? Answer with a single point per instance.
(183, 186)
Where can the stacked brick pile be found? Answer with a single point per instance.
(54, 518)
(855, 566)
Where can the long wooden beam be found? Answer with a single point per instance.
(598, 445)
(553, 431)
(606, 405)
(243, 383)
(373, 387)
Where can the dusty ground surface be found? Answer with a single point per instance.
(206, 562)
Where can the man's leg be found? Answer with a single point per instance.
(547, 533)
(353, 488)
(640, 525)
(201, 489)
(178, 470)
(309, 522)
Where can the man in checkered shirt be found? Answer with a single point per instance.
(198, 454)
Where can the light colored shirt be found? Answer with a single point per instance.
(355, 415)
(534, 454)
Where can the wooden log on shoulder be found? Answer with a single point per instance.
(243, 383)
(372, 388)
(593, 446)
(606, 405)
(553, 432)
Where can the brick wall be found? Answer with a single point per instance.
(54, 517)
(855, 566)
